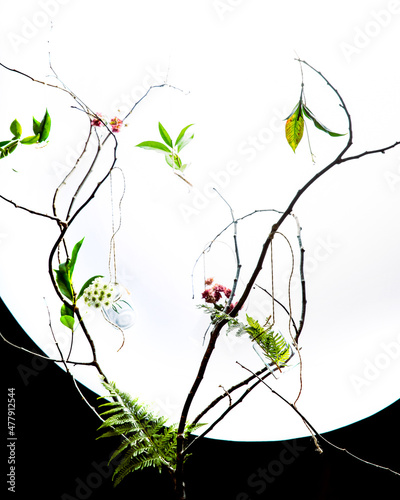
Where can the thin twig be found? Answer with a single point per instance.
(34, 212)
(315, 433)
(302, 280)
(54, 360)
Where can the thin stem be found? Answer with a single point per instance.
(302, 281)
(315, 433)
(34, 212)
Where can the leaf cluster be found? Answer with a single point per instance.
(41, 131)
(64, 275)
(147, 440)
(273, 344)
(169, 148)
(294, 127)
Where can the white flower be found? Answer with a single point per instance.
(99, 294)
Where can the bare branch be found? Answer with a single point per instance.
(34, 212)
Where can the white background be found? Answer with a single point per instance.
(234, 63)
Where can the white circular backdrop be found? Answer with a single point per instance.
(234, 63)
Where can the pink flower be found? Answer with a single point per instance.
(209, 281)
(96, 122)
(116, 124)
(211, 296)
(222, 289)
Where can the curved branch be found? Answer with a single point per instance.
(217, 329)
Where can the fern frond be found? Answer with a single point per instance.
(273, 345)
(147, 440)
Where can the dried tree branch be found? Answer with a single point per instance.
(34, 212)
(217, 329)
(315, 433)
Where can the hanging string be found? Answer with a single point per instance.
(112, 254)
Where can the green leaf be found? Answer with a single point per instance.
(169, 160)
(8, 149)
(42, 128)
(273, 345)
(88, 283)
(68, 322)
(295, 127)
(177, 162)
(154, 146)
(179, 139)
(65, 271)
(16, 129)
(64, 282)
(165, 136)
(45, 127)
(74, 256)
(3, 143)
(36, 126)
(67, 316)
(318, 124)
(185, 141)
(32, 139)
(66, 310)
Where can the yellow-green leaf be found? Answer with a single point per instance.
(295, 127)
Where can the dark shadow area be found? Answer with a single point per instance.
(57, 455)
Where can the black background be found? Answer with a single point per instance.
(58, 457)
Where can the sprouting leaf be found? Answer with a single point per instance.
(184, 142)
(16, 129)
(174, 162)
(154, 146)
(165, 136)
(295, 127)
(74, 256)
(31, 139)
(36, 126)
(181, 140)
(308, 114)
(42, 128)
(45, 127)
(171, 149)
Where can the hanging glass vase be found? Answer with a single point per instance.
(121, 313)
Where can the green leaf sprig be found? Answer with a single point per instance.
(295, 123)
(41, 131)
(171, 149)
(272, 344)
(64, 275)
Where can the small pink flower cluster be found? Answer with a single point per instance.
(214, 294)
(115, 122)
